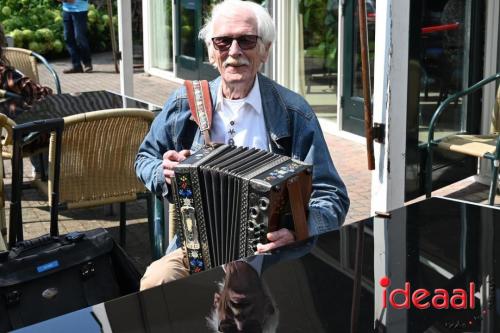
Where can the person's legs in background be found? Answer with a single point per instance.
(37, 168)
(82, 42)
(69, 39)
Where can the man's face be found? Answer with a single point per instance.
(238, 67)
(242, 304)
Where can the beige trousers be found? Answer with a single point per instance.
(170, 267)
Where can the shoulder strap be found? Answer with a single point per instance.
(200, 103)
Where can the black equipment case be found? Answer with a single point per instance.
(48, 276)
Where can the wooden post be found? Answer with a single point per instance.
(112, 35)
(365, 74)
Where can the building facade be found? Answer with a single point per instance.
(304, 57)
(443, 46)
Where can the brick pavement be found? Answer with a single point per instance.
(349, 158)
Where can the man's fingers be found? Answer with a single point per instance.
(168, 174)
(184, 154)
(261, 248)
(174, 156)
(279, 234)
(170, 159)
(276, 239)
(168, 155)
(168, 165)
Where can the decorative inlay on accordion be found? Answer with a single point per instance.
(227, 198)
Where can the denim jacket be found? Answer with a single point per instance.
(293, 131)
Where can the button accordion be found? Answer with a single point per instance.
(227, 198)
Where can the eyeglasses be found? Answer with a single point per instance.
(246, 42)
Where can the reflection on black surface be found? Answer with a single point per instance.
(441, 248)
(243, 302)
(308, 287)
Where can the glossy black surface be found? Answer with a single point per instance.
(58, 106)
(433, 244)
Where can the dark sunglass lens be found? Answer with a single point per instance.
(247, 42)
(222, 43)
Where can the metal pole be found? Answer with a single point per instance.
(126, 49)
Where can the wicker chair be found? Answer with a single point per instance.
(26, 61)
(470, 144)
(5, 123)
(97, 157)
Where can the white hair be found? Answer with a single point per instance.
(270, 324)
(265, 24)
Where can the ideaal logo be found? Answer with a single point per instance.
(400, 298)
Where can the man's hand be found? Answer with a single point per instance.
(276, 239)
(170, 159)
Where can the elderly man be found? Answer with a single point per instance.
(249, 110)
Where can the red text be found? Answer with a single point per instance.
(402, 298)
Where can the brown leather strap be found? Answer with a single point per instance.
(200, 103)
(299, 207)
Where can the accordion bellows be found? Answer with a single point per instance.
(228, 198)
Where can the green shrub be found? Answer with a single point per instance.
(37, 25)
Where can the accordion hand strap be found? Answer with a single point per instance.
(200, 103)
(299, 208)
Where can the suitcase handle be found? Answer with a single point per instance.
(27, 245)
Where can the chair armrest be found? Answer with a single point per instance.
(496, 155)
(446, 102)
(50, 69)
(6, 124)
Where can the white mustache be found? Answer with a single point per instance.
(230, 61)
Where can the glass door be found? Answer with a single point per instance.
(161, 34)
(192, 60)
(352, 98)
(319, 36)
(445, 56)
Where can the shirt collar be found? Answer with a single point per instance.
(253, 98)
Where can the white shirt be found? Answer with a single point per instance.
(248, 117)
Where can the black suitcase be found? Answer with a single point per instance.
(48, 276)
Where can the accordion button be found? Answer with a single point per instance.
(263, 203)
(254, 212)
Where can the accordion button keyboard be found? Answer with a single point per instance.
(256, 233)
